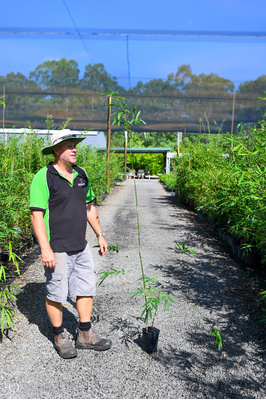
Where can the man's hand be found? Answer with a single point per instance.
(48, 258)
(103, 245)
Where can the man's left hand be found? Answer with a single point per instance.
(103, 245)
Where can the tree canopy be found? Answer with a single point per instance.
(177, 103)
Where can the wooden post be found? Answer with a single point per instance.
(108, 149)
(177, 148)
(125, 160)
(4, 101)
(233, 114)
(200, 131)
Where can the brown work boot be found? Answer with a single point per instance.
(89, 340)
(64, 346)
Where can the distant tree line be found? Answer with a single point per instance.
(183, 101)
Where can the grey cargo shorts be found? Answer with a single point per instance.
(73, 276)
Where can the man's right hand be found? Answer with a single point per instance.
(48, 258)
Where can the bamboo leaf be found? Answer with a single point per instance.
(241, 178)
(2, 319)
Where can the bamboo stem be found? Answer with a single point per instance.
(140, 258)
(125, 157)
(108, 149)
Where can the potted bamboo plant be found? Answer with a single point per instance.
(152, 299)
(152, 296)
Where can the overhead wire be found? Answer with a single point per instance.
(76, 28)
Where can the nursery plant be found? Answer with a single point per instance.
(263, 299)
(7, 292)
(152, 296)
(148, 288)
(226, 181)
(184, 249)
(217, 335)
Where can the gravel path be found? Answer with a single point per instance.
(210, 289)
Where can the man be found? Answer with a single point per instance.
(61, 202)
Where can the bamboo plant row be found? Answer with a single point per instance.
(226, 181)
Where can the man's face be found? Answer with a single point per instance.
(67, 151)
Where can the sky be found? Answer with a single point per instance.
(132, 59)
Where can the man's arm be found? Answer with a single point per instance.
(93, 220)
(48, 257)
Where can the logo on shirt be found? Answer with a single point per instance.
(82, 182)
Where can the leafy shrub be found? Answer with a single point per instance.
(227, 181)
(169, 180)
(147, 162)
(95, 164)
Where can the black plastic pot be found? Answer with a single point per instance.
(150, 339)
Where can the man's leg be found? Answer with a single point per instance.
(62, 345)
(84, 307)
(54, 311)
(82, 285)
(87, 338)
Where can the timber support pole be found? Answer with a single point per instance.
(233, 114)
(108, 148)
(4, 105)
(233, 117)
(125, 157)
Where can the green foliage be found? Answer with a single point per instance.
(218, 338)
(152, 296)
(20, 159)
(227, 182)
(183, 249)
(95, 164)
(111, 271)
(169, 180)
(60, 73)
(97, 79)
(147, 162)
(123, 117)
(7, 293)
(147, 139)
(57, 85)
(154, 299)
(263, 299)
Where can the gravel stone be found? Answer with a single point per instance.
(211, 289)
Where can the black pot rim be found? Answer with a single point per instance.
(153, 330)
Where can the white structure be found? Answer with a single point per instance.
(93, 138)
(169, 156)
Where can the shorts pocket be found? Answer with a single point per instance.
(56, 286)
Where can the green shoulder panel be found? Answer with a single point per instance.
(90, 195)
(39, 196)
(39, 192)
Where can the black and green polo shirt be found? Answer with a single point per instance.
(64, 206)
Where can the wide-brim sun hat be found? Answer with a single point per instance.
(60, 137)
